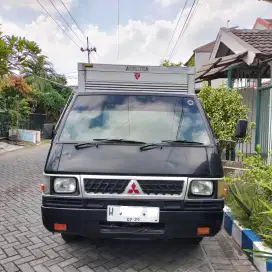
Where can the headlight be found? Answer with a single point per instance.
(202, 187)
(65, 185)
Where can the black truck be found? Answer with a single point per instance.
(133, 159)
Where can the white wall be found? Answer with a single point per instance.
(203, 58)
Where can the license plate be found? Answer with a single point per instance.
(133, 214)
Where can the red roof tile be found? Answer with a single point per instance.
(259, 39)
(268, 20)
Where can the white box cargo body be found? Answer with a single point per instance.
(95, 77)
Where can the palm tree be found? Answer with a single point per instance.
(37, 68)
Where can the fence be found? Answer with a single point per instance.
(265, 118)
(35, 121)
(5, 123)
(249, 99)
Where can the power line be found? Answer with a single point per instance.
(73, 19)
(180, 16)
(76, 23)
(65, 21)
(45, 79)
(57, 24)
(193, 13)
(50, 81)
(118, 21)
(182, 31)
(183, 28)
(88, 49)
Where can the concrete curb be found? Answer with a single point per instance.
(246, 239)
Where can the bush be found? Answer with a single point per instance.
(224, 108)
(250, 195)
(14, 92)
(51, 103)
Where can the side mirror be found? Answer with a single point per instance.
(241, 128)
(48, 131)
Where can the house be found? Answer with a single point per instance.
(244, 58)
(263, 24)
(202, 54)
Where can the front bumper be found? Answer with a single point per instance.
(93, 223)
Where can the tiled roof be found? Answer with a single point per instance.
(205, 48)
(268, 20)
(259, 39)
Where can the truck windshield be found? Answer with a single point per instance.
(145, 118)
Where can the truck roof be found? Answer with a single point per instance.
(106, 92)
(95, 77)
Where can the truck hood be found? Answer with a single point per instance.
(129, 160)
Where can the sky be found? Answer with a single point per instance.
(145, 28)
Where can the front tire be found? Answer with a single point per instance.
(68, 237)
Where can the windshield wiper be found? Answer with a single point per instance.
(85, 145)
(181, 142)
(167, 142)
(151, 146)
(118, 141)
(96, 142)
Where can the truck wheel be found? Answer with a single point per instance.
(68, 237)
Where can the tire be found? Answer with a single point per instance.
(68, 237)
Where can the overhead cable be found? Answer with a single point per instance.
(57, 24)
(118, 21)
(187, 21)
(180, 16)
(65, 21)
(73, 19)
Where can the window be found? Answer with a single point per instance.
(147, 118)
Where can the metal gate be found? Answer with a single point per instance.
(249, 99)
(5, 123)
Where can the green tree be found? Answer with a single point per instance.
(34, 72)
(191, 62)
(224, 108)
(168, 63)
(50, 91)
(14, 99)
(15, 53)
(61, 87)
(37, 66)
(51, 103)
(4, 53)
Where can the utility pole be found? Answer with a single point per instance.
(88, 49)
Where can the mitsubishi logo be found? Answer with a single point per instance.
(133, 188)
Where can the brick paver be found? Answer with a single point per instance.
(25, 245)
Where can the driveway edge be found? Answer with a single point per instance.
(246, 239)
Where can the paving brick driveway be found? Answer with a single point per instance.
(26, 246)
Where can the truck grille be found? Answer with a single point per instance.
(161, 187)
(105, 186)
(118, 186)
